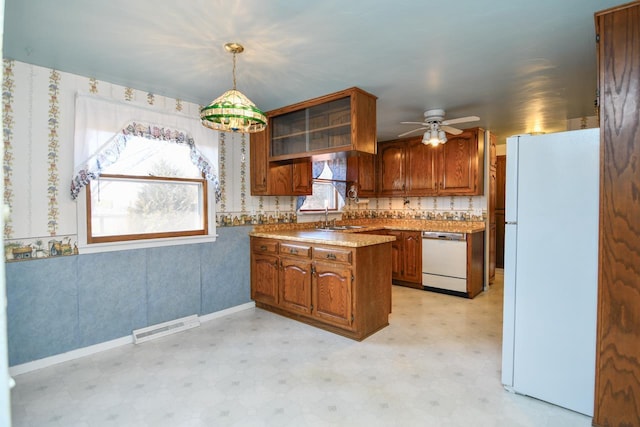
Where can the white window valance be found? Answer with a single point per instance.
(103, 127)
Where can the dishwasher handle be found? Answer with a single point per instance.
(443, 235)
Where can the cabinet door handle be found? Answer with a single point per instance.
(331, 256)
(293, 251)
(263, 248)
(313, 270)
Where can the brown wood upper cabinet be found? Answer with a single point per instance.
(339, 122)
(361, 170)
(406, 167)
(291, 178)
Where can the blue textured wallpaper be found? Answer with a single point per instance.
(61, 304)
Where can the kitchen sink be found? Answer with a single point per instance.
(340, 227)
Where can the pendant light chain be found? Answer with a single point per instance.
(234, 71)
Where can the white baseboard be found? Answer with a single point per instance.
(107, 345)
(69, 355)
(227, 311)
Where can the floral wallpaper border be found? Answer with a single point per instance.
(222, 171)
(8, 86)
(54, 148)
(40, 247)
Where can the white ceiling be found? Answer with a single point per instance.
(520, 65)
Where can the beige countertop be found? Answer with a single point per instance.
(336, 238)
(306, 232)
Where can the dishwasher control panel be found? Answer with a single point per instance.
(438, 235)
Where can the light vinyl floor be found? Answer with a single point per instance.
(436, 364)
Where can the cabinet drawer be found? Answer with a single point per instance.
(267, 246)
(295, 250)
(331, 254)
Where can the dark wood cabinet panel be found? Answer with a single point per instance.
(475, 263)
(493, 195)
(332, 294)
(280, 179)
(259, 154)
(301, 180)
(396, 254)
(264, 278)
(291, 178)
(406, 257)
(361, 170)
(421, 169)
(617, 388)
(500, 239)
(501, 174)
(461, 165)
(391, 168)
(491, 211)
(492, 252)
(295, 284)
(406, 167)
(412, 241)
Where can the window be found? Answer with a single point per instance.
(152, 191)
(325, 194)
(139, 179)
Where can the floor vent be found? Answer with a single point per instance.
(166, 328)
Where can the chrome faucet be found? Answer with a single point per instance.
(326, 217)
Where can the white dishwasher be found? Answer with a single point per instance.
(444, 262)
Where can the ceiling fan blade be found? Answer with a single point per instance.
(413, 123)
(451, 130)
(410, 132)
(461, 120)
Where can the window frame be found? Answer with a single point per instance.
(91, 240)
(336, 197)
(86, 248)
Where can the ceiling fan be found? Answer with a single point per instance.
(435, 126)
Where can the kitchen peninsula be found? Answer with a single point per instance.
(339, 279)
(336, 281)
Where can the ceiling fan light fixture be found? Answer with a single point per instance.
(435, 136)
(436, 126)
(233, 111)
(432, 138)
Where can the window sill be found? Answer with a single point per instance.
(144, 244)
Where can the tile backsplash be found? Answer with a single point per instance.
(457, 208)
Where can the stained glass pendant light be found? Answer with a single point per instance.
(232, 111)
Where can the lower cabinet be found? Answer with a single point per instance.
(344, 290)
(295, 285)
(406, 258)
(332, 294)
(265, 266)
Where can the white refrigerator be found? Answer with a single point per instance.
(551, 267)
